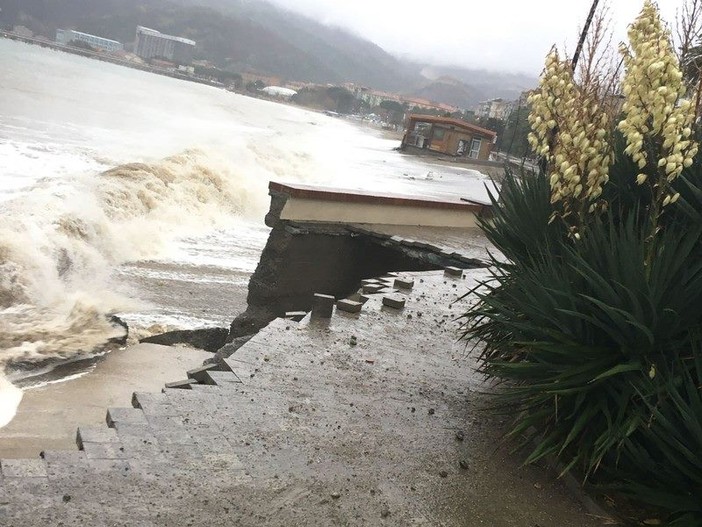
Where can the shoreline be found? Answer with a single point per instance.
(47, 416)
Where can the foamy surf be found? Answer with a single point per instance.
(58, 254)
(10, 398)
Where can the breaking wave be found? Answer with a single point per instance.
(60, 242)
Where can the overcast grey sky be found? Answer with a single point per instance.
(511, 35)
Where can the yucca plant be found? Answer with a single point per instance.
(661, 463)
(591, 316)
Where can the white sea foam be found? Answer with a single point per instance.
(10, 397)
(58, 252)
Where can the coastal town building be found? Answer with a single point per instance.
(154, 44)
(279, 92)
(449, 136)
(495, 109)
(66, 36)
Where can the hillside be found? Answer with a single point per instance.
(242, 35)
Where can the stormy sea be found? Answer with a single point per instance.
(132, 194)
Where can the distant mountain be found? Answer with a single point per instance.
(450, 91)
(483, 84)
(254, 35)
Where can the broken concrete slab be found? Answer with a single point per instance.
(403, 283)
(349, 306)
(453, 271)
(199, 373)
(322, 433)
(322, 306)
(394, 301)
(185, 384)
(295, 316)
(208, 339)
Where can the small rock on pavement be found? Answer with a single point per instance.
(443, 474)
(460, 436)
(336, 495)
(385, 513)
(463, 464)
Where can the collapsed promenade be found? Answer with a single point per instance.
(373, 418)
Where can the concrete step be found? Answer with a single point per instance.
(199, 373)
(153, 404)
(95, 434)
(221, 378)
(124, 415)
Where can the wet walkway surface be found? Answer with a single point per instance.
(368, 419)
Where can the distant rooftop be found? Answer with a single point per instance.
(89, 35)
(451, 121)
(155, 33)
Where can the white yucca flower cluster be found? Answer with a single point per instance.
(658, 119)
(569, 128)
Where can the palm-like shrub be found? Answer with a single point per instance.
(592, 315)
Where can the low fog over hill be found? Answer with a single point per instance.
(254, 35)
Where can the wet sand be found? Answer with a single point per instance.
(48, 416)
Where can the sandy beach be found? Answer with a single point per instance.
(48, 416)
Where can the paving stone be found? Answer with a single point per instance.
(372, 288)
(103, 450)
(63, 456)
(404, 283)
(65, 463)
(181, 385)
(110, 466)
(23, 468)
(124, 415)
(95, 434)
(167, 437)
(349, 306)
(453, 271)
(204, 388)
(322, 305)
(394, 301)
(221, 378)
(153, 403)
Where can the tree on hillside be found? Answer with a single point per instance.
(395, 112)
(496, 125)
(344, 100)
(256, 85)
(514, 140)
(392, 106)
